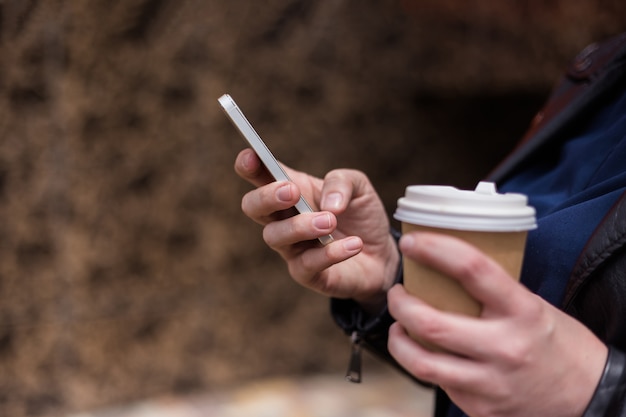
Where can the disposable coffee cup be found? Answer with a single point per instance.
(495, 223)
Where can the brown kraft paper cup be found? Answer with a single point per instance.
(505, 246)
(445, 293)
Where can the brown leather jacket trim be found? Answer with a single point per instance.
(607, 239)
(577, 93)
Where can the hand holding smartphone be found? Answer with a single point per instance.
(265, 155)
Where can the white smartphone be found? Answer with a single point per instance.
(265, 155)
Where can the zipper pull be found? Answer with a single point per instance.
(354, 367)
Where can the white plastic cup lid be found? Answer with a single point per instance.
(483, 209)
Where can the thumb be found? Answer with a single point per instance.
(340, 186)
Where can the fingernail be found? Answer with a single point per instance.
(332, 201)
(407, 242)
(322, 222)
(284, 193)
(352, 244)
(246, 161)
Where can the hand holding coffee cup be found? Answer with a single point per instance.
(495, 223)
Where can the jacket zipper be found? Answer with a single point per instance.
(353, 373)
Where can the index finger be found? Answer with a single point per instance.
(249, 167)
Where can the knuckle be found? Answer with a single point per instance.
(428, 328)
(308, 263)
(535, 310)
(255, 202)
(474, 266)
(246, 206)
(297, 227)
(343, 174)
(431, 330)
(324, 285)
(339, 173)
(334, 173)
(516, 353)
(422, 369)
(269, 236)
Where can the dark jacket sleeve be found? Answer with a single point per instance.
(608, 399)
(369, 332)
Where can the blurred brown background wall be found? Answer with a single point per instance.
(126, 268)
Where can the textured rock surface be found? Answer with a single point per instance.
(126, 268)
